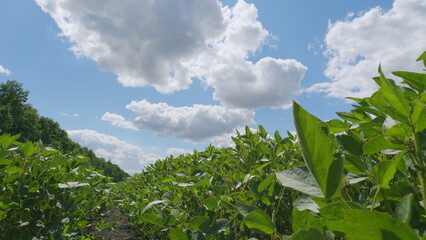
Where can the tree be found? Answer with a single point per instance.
(17, 117)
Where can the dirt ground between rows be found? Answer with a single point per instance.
(122, 229)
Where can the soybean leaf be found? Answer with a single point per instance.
(33, 187)
(337, 126)
(419, 114)
(200, 223)
(27, 149)
(333, 214)
(393, 94)
(404, 208)
(350, 144)
(379, 143)
(306, 202)
(308, 234)
(211, 203)
(384, 172)
(300, 179)
(304, 219)
(152, 204)
(348, 116)
(219, 225)
(318, 147)
(266, 182)
(13, 170)
(177, 234)
(5, 162)
(361, 224)
(422, 56)
(245, 209)
(416, 81)
(6, 140)
(259, 220)
(379, 101)
(354, 164)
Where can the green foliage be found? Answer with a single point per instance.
(46, 193)
(19, 117)
(319, 158)
(359, 177)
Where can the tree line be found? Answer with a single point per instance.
(19, 117)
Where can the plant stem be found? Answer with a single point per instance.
(374, 198)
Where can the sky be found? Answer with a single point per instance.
(139, 80)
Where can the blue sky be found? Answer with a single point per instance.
(137, 80)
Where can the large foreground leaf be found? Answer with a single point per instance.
(361, 224)
(318, 146)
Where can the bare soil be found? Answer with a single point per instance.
(117, 227)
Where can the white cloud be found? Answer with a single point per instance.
(195, 124)
(68, 114)
(129, 157)
(4, 70)
(167, 43)
(356, 46)
(118, 121)
(178, 151)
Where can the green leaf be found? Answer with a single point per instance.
(266, 182)
(200, 223)
(350, 144)
(361, 224)
(379, 143)
(6, 140)
(384, 172)
(245, 209)
(304, 219)
(259, 220)
(27, 149)
(300, 179)
(262, 132)
(311, 233)
(337, 126)
(379, 101)
(419, 114)
(393, 94)
(306, 202)
(318, 147)
(13, 170)
(348, 116)
(421, 57)
(417, 81)
(219, 225)
(404, 209)
(152, 204)
(33, 187)
(177, 234)
(333, 214)
(5, 162)
(211, 203)
(354, 164)
(277, 136)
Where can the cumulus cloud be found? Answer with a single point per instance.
(129, 157)
(118, 121)
(195, 124)
(356, 46)
(166, 44)
(4, 70)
